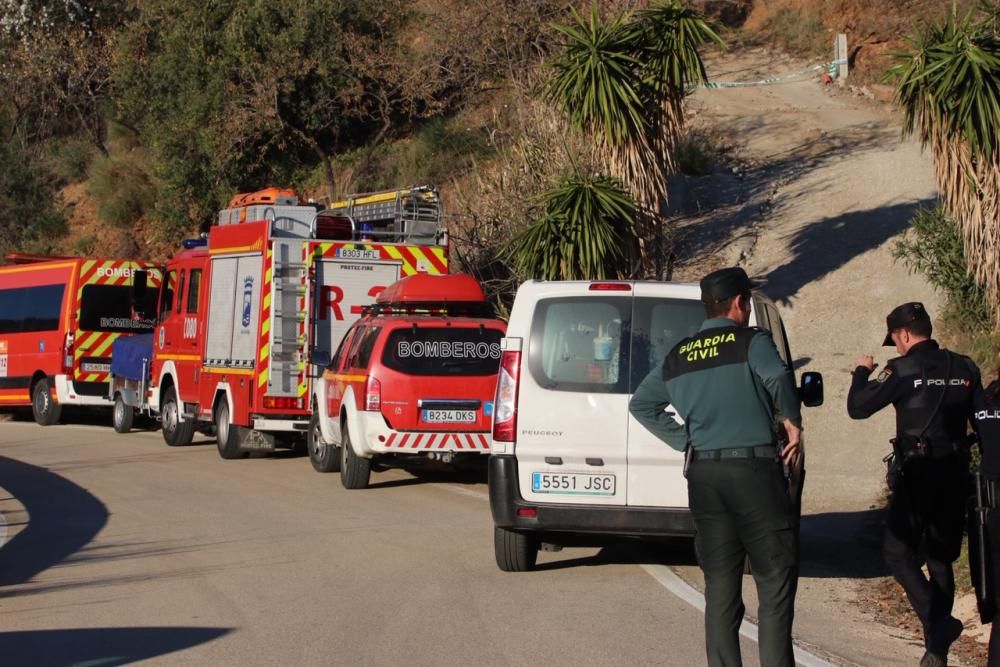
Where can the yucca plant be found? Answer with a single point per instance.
(623, 82)
(583, 232)
(948, 85)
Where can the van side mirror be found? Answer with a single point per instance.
(139, 286)
(811, 389)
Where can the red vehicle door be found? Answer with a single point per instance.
(171, 346)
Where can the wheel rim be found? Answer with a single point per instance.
(170, 417)
(317, 446)
(119, 412)
(42, 400)
(222, 427)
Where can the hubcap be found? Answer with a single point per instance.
(222, 428)
(317, 441)
(41, 401)
(119, 412)
(170, 417)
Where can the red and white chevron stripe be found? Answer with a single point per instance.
(453, 442)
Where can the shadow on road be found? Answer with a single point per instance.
(99, 646)
(677, 551)
(63, 518)
(842, 545)
(822, 247)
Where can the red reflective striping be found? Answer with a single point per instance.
(402, 443)
(416, 443)
(458, 442)
(482, 441)
(388, 443)
(408, 258)
(431, 255)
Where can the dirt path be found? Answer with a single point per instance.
(826, 187)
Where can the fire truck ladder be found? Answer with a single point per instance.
(411, 215)
(289, 306)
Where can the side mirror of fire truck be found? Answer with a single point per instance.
(320, 358)
(139, 287)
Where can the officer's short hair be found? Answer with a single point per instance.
(921, 328)
(720, 308)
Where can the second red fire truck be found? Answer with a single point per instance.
(276, 284)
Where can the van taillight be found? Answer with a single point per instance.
(505, 405)
(373, 395)
(68, 354)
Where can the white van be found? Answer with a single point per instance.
(567, 458)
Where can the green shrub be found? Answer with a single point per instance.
(85, 245)
(934, 248)
(798, 32)
(696, 154)
(68, 159)
(121, 188)
(30, 218)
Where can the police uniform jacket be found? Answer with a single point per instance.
(913, 385)
(987, 419)
(725, 383)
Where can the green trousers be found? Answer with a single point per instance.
(741, 507)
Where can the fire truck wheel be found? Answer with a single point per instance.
(122, 415)
(226, 437)
(515, 552)
(45, 410)
(355, 471)
(176, 433)
(324, 457)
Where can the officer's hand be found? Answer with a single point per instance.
(793, 450)
(867, 361)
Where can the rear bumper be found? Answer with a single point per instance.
(378, 438)
(505, 500)
(69, 392)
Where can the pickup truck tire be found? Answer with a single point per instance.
(176, 433)
(324, 457)
(515, 552)
(226, 438)
(355, 471)
(45, 411)
(122, 415)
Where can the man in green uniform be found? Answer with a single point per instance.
(727, 383)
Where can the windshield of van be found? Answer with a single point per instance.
(109, 308)
(606, 344)
(439, 350)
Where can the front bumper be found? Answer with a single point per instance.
(505, 500)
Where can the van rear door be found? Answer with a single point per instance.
(573, 393)
(662, 315)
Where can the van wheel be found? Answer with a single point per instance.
(45, 410)
(515, 552)
(226, 438)
(324, 457)
(122, 415)
(355, 471)
(176, 433)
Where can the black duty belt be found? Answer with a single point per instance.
(760, 452)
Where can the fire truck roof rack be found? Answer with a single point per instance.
(407, 215)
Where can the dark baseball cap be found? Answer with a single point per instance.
(725, 283)
(903, 315)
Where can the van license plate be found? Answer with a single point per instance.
(450, 416)
(576, 484)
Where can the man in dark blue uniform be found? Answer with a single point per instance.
(728, 384)
(987, 418)
(932, 391)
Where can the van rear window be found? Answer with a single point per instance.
(606, 344)
(443, 351)
(109, 308)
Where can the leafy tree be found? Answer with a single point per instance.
(948, 84)
(585, 227)
(623, 82)
(29, 216)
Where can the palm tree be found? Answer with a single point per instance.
(949, 87)
(583, 232)
(623, 83)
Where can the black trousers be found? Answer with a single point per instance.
(993, 533)
(740, 508)
(925, 524)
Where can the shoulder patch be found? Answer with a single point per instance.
(884, 375)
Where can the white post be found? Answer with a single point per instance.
(840, 56)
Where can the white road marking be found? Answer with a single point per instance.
(680, 588)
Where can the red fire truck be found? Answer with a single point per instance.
(276, 285)
(58, 319)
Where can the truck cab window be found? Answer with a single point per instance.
(194, 290)
(167, 302)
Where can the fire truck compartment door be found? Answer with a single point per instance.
(342, 288)
(234, 311)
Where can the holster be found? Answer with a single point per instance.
(982, 501)
(908, 448)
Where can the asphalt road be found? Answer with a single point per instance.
(121, 549)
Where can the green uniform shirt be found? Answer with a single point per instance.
(726, 383)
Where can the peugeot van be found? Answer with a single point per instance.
(567, 458)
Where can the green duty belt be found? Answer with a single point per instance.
(761, 452)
